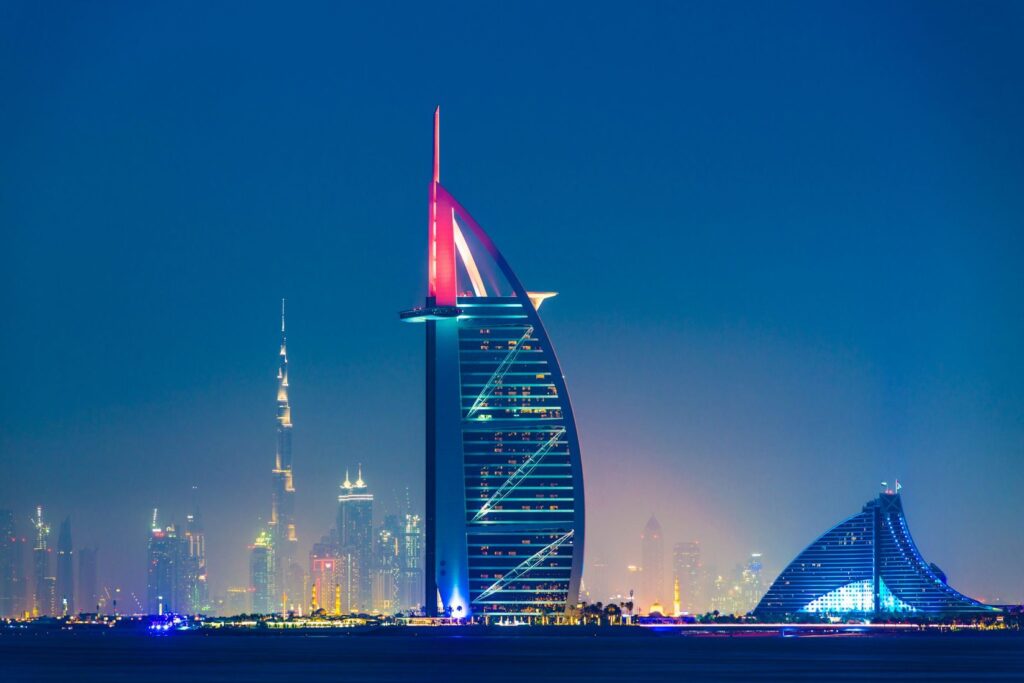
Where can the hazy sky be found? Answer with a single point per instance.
(788, 241)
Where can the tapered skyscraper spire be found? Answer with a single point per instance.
(284, 412)
(282, 514)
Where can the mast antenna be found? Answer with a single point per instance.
(437, 144)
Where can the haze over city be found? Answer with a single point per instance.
(786, 241)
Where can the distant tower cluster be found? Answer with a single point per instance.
(176, 568)
(50, 587)
(362, 568)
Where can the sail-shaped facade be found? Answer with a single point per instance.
(867, 565)
(505, 515)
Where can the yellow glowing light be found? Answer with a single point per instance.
(537, 298)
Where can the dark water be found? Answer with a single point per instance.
(437, 656)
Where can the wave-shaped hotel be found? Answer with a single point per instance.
(867, 565)
(504, 483)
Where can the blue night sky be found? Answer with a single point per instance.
(787, 238)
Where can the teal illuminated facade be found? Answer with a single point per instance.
(504, 521)
(867, 565)
(523, 489)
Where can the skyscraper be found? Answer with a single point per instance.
(386, 566)
(750, 584)
(326, 574)
(88, 597)
(43, 597)
(261, 574)
(411, 582)
(652, 561)
(12, 569)
(355, 541)
(162, 569)
(287, 572)
(504, 482)
(688, 571)
(65, 570)
(194, 589)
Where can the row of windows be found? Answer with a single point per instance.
(505, 376)
(524, 496)
(474, 433)
(502, 470)
(513, 389)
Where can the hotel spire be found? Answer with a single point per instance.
(463, 510)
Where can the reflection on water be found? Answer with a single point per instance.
(432, 656)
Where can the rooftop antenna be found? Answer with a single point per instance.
(282, 315)
(154, 527)
(437, 144)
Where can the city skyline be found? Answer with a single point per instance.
(788, 269)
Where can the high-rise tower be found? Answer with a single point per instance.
(261, 574)
(411, 585)
(194, 590)
(652, 560)
(355, 541)
(386, 571)
(12, 574)
(41, 565)
(504, 482)
(65, 570)
(163, 570)
(688, 572)
(282, 514)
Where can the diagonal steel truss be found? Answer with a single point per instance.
(521, 472)
(499, 373)
(524, 566)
